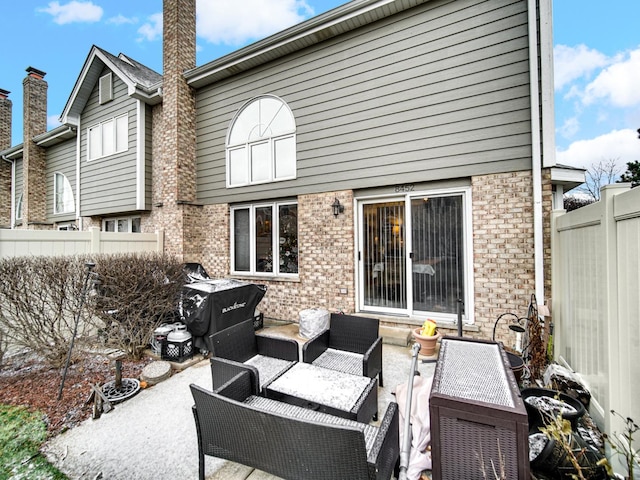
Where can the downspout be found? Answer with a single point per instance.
(536, 157)
(78, 138)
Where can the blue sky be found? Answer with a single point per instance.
(596, 50)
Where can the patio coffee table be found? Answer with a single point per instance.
(349, 396)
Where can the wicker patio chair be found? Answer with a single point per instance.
(351, 344)
(238, 348)
(288, 441)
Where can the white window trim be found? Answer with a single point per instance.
(252, 237)
(55, 194)
(115, 137)
(248, 144)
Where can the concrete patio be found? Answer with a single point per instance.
(152, 435)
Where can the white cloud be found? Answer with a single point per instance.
(53, 121)
(619, 145)
(572, 63)
(570, 127)
(618, 83)
(73, 12)
(151, 30)
(234, 22)
(122, 20)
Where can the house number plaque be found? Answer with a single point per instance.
(406, 187)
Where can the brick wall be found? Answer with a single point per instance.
(503, 250)
(34, 123)
(5, 167)
(326, 252)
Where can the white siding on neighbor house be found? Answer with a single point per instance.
(438, 91)
(61, 158)
(108, 184)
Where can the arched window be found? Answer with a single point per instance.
(261, 143)
(62, 195)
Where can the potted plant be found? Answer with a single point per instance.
(427, 335)
(623, 445)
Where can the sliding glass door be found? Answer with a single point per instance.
(412, 255)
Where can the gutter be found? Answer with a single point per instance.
(536, 156)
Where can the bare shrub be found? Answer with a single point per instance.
(137, 293)
(39, 300)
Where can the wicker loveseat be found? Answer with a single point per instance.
(291, 442)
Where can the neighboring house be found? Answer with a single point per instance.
(394, 158)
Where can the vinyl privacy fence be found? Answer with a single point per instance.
(54, 242)
(596, 300)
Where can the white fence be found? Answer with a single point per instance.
(53, 242)
(596, 300)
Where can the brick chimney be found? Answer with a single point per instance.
(5, 167)
(5, 119)
(33, 160)
(176, 187)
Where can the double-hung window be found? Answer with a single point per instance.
(261, 143)
(62, 195)
(264, 239)
(109, 137)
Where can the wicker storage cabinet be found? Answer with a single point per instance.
(478, 419)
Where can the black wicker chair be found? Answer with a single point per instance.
(291, 442)
(238, 348)
(351, 344)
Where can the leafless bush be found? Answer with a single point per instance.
(136, 294)
(39, 300)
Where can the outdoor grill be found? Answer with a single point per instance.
(478, 419)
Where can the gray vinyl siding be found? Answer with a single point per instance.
(108, 184)
(61, 158)
(437, 92)
(148, 162)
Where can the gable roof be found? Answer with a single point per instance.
(142, 82)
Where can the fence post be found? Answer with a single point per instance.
(557, 273)
(160, 241)
(94, 246)
(611, 326)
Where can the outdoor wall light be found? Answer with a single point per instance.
(337, 207)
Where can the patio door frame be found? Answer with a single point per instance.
(406, 198)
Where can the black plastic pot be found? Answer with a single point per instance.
(517, 365)
(536, 417)
(554, 461)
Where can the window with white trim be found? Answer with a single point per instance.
(122, 224)
(264, 239)
(19, 208)
(109, 137)
(261, 143)
(62, 194)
